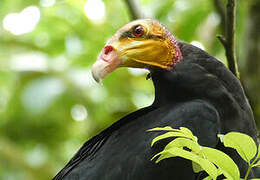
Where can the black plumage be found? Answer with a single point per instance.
(199, 93)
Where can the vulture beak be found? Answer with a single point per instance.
(107, 61)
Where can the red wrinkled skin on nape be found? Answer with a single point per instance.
(178, 55)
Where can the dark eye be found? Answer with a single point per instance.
(138, 31)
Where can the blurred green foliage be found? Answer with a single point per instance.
(49, 103)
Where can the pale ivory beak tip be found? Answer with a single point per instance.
(101, 68)
(96, 76)
(98, 70)
(97, 79)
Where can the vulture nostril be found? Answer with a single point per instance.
(108, 49)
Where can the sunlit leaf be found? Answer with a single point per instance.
(244, 145)
(186, 131)
(221, 137)
(208, 178)
(258, 153)
(232, 179)
(167, 128)
(183, 142)
(168, 135)
(196, 167)
(220, 172)
(163, 155)
(257, 164)
(223, 161)
(209, 167)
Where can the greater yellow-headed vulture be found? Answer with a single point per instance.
(192, 89)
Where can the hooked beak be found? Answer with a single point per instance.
(108, 60)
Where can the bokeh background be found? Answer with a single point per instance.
(49, 103)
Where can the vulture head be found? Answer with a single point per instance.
(142, 43)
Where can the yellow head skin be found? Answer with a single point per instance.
(143, 43)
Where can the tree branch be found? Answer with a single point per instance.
(230, 36)
(133, 9)
(229, 41)
(223, 40)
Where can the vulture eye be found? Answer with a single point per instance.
(138, 31)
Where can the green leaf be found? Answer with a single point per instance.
(196, 167)
(244, 145)
(257, 164)
(220, 172)
(184, 142)
(208, 178)
(258, 153)
(163, 155)
(209, 167)
(222, 161)
(167, 128)
(221, 137)
(186, 131)
(170, 134)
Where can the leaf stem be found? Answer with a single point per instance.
(250, 167)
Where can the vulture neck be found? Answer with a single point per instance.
(164, 92)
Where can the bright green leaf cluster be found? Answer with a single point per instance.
(244, 145)
(213, 161)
